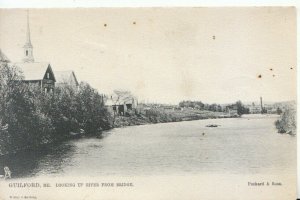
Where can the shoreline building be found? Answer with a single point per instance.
(36, 74)
(120, 105)
(41, 74)
(66, 78)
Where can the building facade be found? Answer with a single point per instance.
(36, 74)
(66, 78)
(120, 105)
(40, 74)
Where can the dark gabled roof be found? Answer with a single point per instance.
(34, 70)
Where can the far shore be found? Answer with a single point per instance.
(158, 115)
(141, 119)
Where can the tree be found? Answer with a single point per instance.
(287, 123)
(121, 96)
(30, 117)
(93, 117)
(278, 111)
(241, 109)
(10, 81)
(27, 126)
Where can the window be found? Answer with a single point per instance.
(48, 76)
(26, 52)
(45, 90)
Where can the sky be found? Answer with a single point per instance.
(165, 55)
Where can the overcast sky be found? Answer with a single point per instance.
(165, 55)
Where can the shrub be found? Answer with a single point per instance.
(287, 122)
(30, 118)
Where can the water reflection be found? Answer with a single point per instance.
(30, 162)
(237, 146)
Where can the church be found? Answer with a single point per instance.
(41, 74)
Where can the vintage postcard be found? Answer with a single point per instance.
(148, 103)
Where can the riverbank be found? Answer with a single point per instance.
(236, 146)
(287, 122)
(152, 116)
(159, 115)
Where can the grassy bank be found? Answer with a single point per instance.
(160, 115)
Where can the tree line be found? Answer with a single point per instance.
(30, 118)
(201, 106)
(241, 109)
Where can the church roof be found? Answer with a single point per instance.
(65, 76)
(34, 70)
(3, 57)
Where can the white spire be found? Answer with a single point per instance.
(28, 48)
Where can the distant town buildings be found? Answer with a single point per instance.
(254, 108)
(232, 110)
(268, 108)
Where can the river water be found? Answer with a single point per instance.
(247, 145)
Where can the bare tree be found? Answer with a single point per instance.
(121, 96)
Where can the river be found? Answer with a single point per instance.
(247, 145)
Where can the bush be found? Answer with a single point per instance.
(287, 122)
(241, 109)
(30, 118)
(26, 126)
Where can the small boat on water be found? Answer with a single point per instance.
(212, 125)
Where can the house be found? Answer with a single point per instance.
(64, 78)
(34, 73)
(232, 110)
(38, 74)
(254, 108)
(120, 104)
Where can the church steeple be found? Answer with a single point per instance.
(28, 48)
